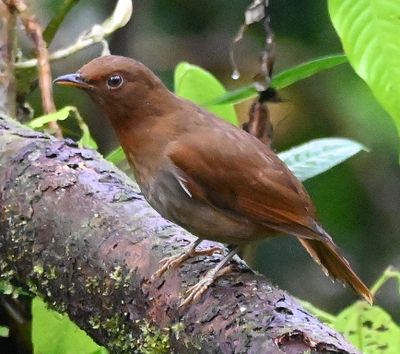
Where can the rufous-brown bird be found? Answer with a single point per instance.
(204, 174)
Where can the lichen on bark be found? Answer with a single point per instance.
(76, 231)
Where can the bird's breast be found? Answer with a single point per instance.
(166, 195)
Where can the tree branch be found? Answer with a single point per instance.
(75, 230)
(34, 30)
(7, 79)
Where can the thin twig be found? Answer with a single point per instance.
(389, 273)
(119, 18)
(254, 13)
(7, 79)
(34, 30)
(259, 123)
(267, 55)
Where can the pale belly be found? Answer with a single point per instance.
(168, 197)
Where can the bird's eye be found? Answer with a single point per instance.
(114, 81)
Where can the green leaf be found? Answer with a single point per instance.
(4, 331)
(116, 156)
(370, 35)
(63, 8)
(101, 350)
(200, 86)
(303, 71)
(317, 156)
(41, 121)
(64, 113)
(236, 96)
(86, 139)
(284, 78)
(369, 328)
(53, 333)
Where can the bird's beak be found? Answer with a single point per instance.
(74, 79)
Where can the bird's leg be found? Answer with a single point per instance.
(175, 261)
(194, 293)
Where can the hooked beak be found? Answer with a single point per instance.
(74, 79)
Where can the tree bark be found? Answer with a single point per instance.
(76, 231)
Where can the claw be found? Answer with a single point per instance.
(169, 263)
(174, 262)
(194, 293)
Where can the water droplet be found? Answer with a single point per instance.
(235, 74)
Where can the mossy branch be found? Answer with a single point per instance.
(75, 230)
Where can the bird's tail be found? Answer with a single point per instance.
(327, 254)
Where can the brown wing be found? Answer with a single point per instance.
(235, 173)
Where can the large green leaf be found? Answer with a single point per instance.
(284, 78)
(317, 156)
(370, 34)
(369, 328)
(199, 86)
(53, 333)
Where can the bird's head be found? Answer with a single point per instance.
(114, 81)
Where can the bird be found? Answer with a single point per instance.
(212, 178)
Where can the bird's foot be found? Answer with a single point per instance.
(194, 293)
(169, 263)
(175, 261)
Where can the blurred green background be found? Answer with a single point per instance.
(358, 202)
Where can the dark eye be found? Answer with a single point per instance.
(114, 81)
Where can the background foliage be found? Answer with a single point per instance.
(336, 102)
(358, 201)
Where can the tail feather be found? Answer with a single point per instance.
(327, 254)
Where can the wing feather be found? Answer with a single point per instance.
(244, 179)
